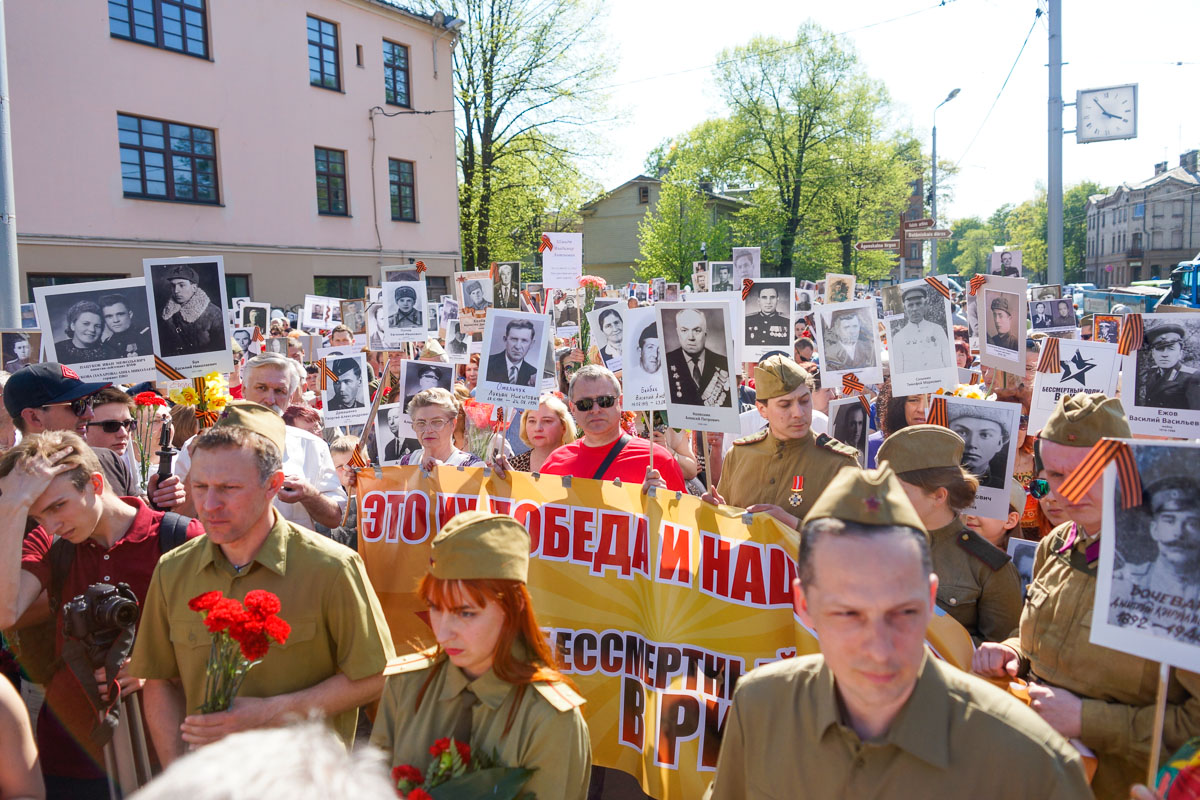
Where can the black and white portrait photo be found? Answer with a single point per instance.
(1002, 310)
(456, 343)
(448, 312)
(417, 376)
(1166, 375)
(747, 263)
(565, 309)
(346, 401)
(1064, 314)
(700, 381)
(1041, 314)
(893, 301)
(720, 276)
(608, 332)
(804, 301)
(187, 295)
(354, 315)
(920, 345)
(29, 318)
(1051, 291)
(642, 378)
(19, 348)
(1006, 264)
(848, 341)
(641, 291)
(1022, 553)
(988, 429)
(102, 329)
(377, 326)
(394, 435)
(243, 337)
(255, 315)
(405, 303)
(1148, 586)
(514, 351)
(767, 320)
(474, 299)
(277, 345)
(431, 318)
(849, 423)
(508, 285)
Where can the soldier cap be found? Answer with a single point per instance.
(1001, 304)
(255, 417)
(406, 291)
(1163, 336)
(1173, 493)
(183, 271)
(1081, 420)
(778, 375)
(921, 447)
(867, 497)
(479, 545)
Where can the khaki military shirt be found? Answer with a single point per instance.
(977, 582)
(1118, 689)
(761, 469)
(337, 622)
(955, 737)
(547, 731)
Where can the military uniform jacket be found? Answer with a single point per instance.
(921, 346)
(766, 328)
(205, 333)
(761, 469)
(1178, 387)
(1117, 689)
(978, 584)
(547, 733)
(956, 736)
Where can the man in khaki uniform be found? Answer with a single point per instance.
(334, 658)
(782, 469)
(875, 715)
(1102, 697)
(977, 582)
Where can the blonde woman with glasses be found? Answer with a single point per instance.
(434, 413)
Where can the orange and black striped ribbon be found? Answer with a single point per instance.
(493, 270)
(258, 335)
(420, 265)
(937, 412)
(851, 383)
(206, 418)
(1104, 452)
(545, 244)
(326, 374)
(166, 369)
(976, 282)
(747, 284)
(1049, 360)
(532, 301)
(941, 288)
(866, 404)
(1131, 334)
(356, 458)
(976, 379)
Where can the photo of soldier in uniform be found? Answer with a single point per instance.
(721, 276)
(99, 328)
(985, 438)
(697, 373)
(641, 291)
(849, 423)
(642, 372)
(920, 340)
(1050, 292)
(839, 288)
(187, 302)
(475, 295)
(746, 264)
(804, 301)
(354, 315)
(407, 305)
(508, 285)
(1167, 376)
(417, 376)
(349, 391)
(1106, 328)
(19, 348)
(1001, 320)
(767, 320)
(395, 435)
(255, 315)
(1022, 553)
(377, 326)
(700, 276)
(456, 343)
(1006, 264)
(893, 302)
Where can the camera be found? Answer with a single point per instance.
(98, 616)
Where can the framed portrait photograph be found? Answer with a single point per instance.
(804, 301)
(850, 424)
(29, 318)
(354, 315)
(255, 315)
(608, 333)
(1001, 309)
(1148, 586)
(848, 341)
(989, 432)
(417, 376)
(643, 375)
(701, 365)
(1022, 553)
(1081, 366)
(406, 304)
(747, 263)
(1160, 383)
(1006, 264)
(513, 358)
(699, 276)
(448, 311)
(243, 338)
(839, 288)
(101, 329)
(565, 309)
(19, 348)
(1106, 328)
(1051, 291)
(186, 296)
(920, 343)
(720, 276)
(457, 343)
(766, 318)
(394, 435)
(507, 291)
(346, 401)
(893, 302)
(377, 326)
(474, 299)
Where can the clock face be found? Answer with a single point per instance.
(1103, 114)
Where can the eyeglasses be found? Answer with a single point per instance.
(430, 425)
(114, 425)
(78, 407)
(604, 401)
(1087, 337)
(1039, 488)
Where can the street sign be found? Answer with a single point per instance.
(918, 224)
(882, 244)
(935, 233)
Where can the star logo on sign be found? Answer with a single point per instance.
(1082, 366)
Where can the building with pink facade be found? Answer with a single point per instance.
(308, 142)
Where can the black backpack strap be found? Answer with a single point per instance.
(172, 531)
(615, 450)
(61, 555)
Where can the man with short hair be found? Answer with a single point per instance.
(311, 492)
(407, 314)
(1041, 317)
(919, 344)
(1002, 324)
(122, 337)
(190, 322)
(341, 336)
(875, 714)
(339, 642)
(614, 331)
(767, 326)
(649, 355)
(347, 391)
(112, 421)
(85, 323)
(1172, 506)
(723, 281)
(457, 344)
(848, 349)
(473, 296)
(509, 365)
(985, 451)
(697, 376)
(22, 352)
(242, 338)
(1169, 383)
(506, 290)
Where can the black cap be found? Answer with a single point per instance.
(44, 384)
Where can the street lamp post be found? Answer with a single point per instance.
(933, 209)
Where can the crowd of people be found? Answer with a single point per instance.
(263, 499)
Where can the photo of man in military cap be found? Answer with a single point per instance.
(349, 391)
(1172, 505)
(1000, 321)
(1164, 378)
(475, 294)
(188, 320)
(407, 312)
(985, 437)
(919, 341)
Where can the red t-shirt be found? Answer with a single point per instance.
(66, 717)
(580, 461)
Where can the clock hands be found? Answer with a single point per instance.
(1104, 111)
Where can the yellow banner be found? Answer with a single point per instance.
(655, 606)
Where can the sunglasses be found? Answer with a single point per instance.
(114, 425)
(1087, 337)
(1039, 488)
(604, 401)
(78, 407)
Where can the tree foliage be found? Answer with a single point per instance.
(672, 234)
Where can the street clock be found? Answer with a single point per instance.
(1105, 114)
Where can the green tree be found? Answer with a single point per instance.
(1075, 228)
(1026, 227)
(974, 248)
(950, 249)
(671, 235)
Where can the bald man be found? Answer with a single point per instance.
(696, 375)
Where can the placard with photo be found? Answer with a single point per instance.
(417, 376)
(658, 288)
(641, 291)
(243, 338)
(850, 424)
(277, 345)
(564, 308)
(320, 313)
(989, 431)
(235, 310)
(406, 304)
(1049, 291)
(848, 341)
(672, 293)
(512, 362)
(346, 401)
(29, 318)
(255, 315)
(186, 297)
(1081, 366)
(394, 435)
(893, 301)
(354, 315)
(720, 276)
(377, 318)
(431, 319)
(1160, 383)
(767, 318)
(19, 348)
(1002, 314)
(699, 276)
(1006, 264)
(804, 301)
(1148, 586)
(101, 329)
(474, 299)
(643, 380)
(920, 343)
(562, 259)
(374, 294)
(1022, 552)
(747, 263)
(1051, 316)
(701, 364)
(457, 343)
(447, 312)
(507, 292)
(608, 334)
(1106, 328)
(839, 288)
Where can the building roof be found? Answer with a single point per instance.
(1178, 174)
(406, 11)
(646, 179)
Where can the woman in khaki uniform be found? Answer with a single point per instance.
(978, 584)
(491, 680)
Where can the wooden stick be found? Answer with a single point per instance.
(707, 464)
(1160, 713)
(650, 429)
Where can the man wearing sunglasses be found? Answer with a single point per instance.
(112, 423)
(1102, 697)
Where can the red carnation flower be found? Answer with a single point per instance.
(277, 629)
(262, 603)
(464, 751)
(419, 794)
(407, 772)
(439, 747)
(148, 399)
(247, 627)
(254, 647)
(205, 601)
(223, 614)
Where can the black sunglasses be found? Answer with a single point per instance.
(604, 401)
(1039, 488)
(114, 425)
(78, 407)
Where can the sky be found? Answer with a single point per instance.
(661, 83)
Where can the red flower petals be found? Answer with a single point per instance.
(203, 602)
(262, 603)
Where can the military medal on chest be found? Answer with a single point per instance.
(797, 487)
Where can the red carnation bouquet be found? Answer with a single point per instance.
(457, 774)
(241, 636)
(146, 410)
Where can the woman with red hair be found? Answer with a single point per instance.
(491, 681)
